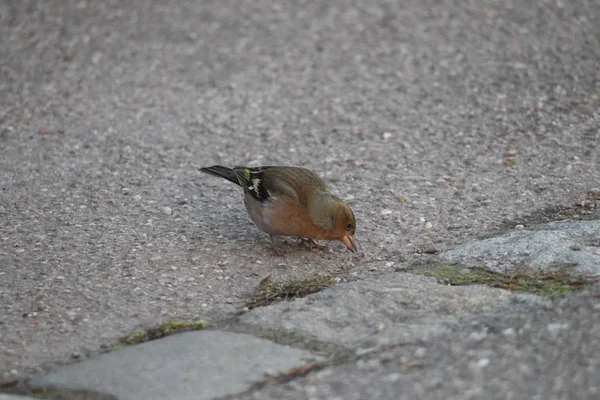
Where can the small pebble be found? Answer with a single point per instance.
(519, 227)
(477, 336)
(428, 225)
(361, 352)
(594, 193)
(509, 332)
(392, 377)
(484, 362)
(556, 327)
(429, 249)
(167, 210)
(386, 212)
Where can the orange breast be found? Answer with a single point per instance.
(288, 218)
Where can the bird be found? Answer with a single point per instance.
(291, 201)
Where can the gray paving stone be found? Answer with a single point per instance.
(14, 397)
(551, 353)
(192, 365)
(390, 308)
(572, 242)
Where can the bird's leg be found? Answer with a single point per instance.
(311, 243)
(273, 247)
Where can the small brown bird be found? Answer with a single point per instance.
(291, 201)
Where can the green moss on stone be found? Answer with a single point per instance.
(269, 291)
(67, 394)
(161, 330)
(551, 283)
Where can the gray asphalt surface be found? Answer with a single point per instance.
(473, 116)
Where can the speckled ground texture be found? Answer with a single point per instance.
(473, 116)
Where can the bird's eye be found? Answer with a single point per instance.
(349, 227)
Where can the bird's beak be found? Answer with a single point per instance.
(349, 242)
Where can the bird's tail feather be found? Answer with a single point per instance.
(222, 172)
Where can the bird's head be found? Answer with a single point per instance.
(343, 226)
(335, 218)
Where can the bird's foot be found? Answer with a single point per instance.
(311, 243)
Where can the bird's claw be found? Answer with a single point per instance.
(311, 243)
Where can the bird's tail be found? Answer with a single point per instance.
(222, 172)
